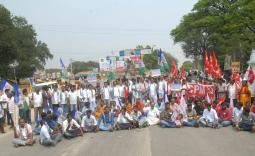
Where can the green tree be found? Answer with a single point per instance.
(226, 26)
(18, 43)
(79, 66)
(187, 65)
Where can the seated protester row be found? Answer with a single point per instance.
(49, 137)
(225, 115)
(71, 128)
(209, 118)
(124, 121)
(23, 134)
(106, 120)
(89, 122)
(247, 122)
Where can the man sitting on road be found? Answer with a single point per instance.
(49, 137)
(23, 134)
(71, 128)
(209, 118)
(124, 121)
(191, 116)
(166, 117)
(89, 122)
(152, 114)
(247, 122)
(106, 120)
(237, 113)
(225, 115)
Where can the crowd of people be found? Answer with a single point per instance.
(68, 111)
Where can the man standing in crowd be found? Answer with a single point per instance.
(63, 100)
(25, 107)
(83, 96)
(46, 99)
(106, 93)
(55, 99)
(73, 99)
(232, 91)
(37, 101)
(153, 91)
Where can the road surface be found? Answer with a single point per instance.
(153, 141)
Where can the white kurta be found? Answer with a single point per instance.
(152, 115)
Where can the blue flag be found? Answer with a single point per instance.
(161, 58)
(3, 83)
(16, 93)
(62, 64)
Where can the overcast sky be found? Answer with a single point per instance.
(88, 29)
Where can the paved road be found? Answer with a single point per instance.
(151, 141)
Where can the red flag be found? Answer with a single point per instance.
(217, 71)
(236, 77)
(210, 66)
(174, 70)
(214, 59)
(250, 74)
(183, 76)
(206, 62)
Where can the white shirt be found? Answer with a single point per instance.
(116, 92)
(252, 88)
(232, 91)
(151, 113)
(4, 99)
(237, 114)
(63, 97)
(210, 116)
(153, 91)
(83, 95)
(88, 121)
(121, 90)
(91, 95)
(161, 86)
(11, 105)
(121, 118)
(106, 92)
(37, 99)
(73, 122)
(55, 97)
(23, 132)
(44, 133)
(73, 97)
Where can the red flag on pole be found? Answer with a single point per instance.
(183, 76)
(174, 70)
(206, 62)
(250, 74)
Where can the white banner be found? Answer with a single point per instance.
(104, 64)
